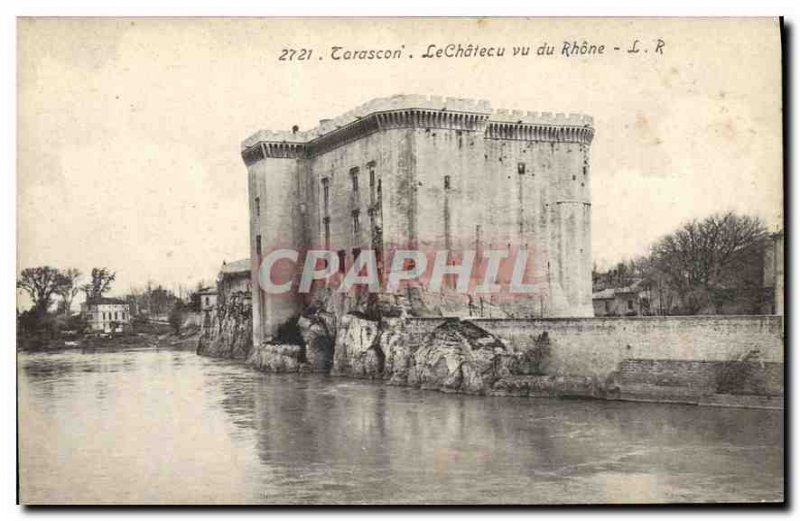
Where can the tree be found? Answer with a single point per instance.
(101, 283)
(68, 287)
(40, 283)
(176, 316)
(194, 298)
(709, 262)
(160, 300)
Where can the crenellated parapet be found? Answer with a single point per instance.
(414, 111)
(541, 118)
(403, 104)
(264, 149)
(539, 132)
(540, 126)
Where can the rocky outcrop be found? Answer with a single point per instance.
(398, 349)
(277, 358)
(460, 357)
(371, 337)
(228, 332)
(357, 350)
(357, 337)
(456, 356)
(318, 336)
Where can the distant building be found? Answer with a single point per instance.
(208, 298)
(208, 305)
(773, 275)
(234, 278)
(109, 315)
(631, 300)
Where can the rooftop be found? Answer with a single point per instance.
(238, 266)
(610, 293)
(415, 101)
(104, 300)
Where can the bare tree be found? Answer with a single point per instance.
(40, 283)
(704, 261)
(101, 283)
(68, 287)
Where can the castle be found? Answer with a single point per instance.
(427, 172)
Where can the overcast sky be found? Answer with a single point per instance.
(129, 130)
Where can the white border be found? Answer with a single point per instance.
(12, 10)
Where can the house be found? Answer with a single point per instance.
(631, 300)
(234, 278)
(208, 298)
(107, 315)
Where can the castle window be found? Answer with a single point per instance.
(584, 169)
(258, 206)
(326, 222)
(356, 253)
(447, 182)
(372, 174)
(325, 193)
(354, 178)
(356, 222)
(258, 244)
(342, 258)
(521, 168)
(371, 166)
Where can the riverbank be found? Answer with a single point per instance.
(730, 361)
(115, 342)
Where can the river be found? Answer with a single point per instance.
(170, 427)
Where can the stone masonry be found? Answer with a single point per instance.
(428, 173)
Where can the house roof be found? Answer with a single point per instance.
(104, 300)
(207, 291)
(610, 293)
(239, 266)
(605, 294)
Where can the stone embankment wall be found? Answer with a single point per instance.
(731, 360)
(724, 360)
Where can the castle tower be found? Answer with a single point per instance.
(274, 162)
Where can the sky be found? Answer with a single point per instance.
(129, 130)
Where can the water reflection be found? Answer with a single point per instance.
(181, 428)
